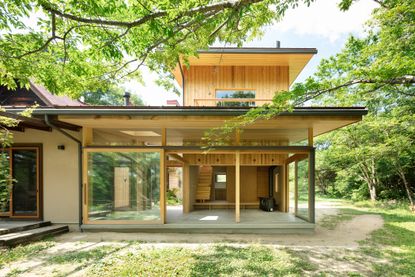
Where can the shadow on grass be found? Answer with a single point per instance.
(395, 242)
(249, 261)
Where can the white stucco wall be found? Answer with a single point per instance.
(60, 174)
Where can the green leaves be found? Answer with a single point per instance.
(91, 45)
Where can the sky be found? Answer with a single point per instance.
(321, 25)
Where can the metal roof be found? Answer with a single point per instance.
(187, 110)
(258, 50)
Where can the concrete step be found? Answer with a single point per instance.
(17, 227)
(13, 239)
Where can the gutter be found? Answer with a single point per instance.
(202, 111)
(66, 134)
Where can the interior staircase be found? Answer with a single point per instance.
(204, 184)
(14, 233)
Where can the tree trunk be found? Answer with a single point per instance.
(407, 187)
(369, 175)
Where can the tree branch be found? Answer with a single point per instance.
(154, 15)
(404, 80)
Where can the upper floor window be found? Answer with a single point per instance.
(238, 95)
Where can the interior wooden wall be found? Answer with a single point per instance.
(229, 159)
(254, 183)
(203, 81)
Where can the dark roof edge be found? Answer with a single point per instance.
(257, 50)
(177, 111)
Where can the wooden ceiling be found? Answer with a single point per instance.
(291, 128)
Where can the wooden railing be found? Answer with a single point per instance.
(215, 101)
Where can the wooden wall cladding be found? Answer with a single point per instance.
(203, 81)
(229, 159)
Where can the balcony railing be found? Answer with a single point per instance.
(215, 101)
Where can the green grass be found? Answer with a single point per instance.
(388, 251)
(331, 221)
(83, 256)
(395, 242)
(20, 252)
(219, 260)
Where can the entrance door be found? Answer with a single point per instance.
(25, 168)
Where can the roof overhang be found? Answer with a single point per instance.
(24, 122)
(294, 58)
(293, 124)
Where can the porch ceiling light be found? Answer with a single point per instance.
(141, 133)
(210, 218)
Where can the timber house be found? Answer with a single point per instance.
(144, 168)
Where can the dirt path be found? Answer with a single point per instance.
(324, 247)
(346, 234)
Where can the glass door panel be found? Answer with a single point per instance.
(299, 186)
(25, 182)
(5, 183)
(302, 196)
(123, 186)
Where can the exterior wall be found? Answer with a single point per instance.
(201, 82)
(60, 174)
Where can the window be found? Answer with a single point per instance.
(123, 185)
(235, 94)
(220, 178)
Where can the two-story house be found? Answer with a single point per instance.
(106, 167)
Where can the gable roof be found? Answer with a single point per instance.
(36, 94)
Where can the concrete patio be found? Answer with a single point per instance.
(216, 221)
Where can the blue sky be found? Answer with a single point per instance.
(322, 26)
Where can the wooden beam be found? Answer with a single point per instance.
(296, 157)
(15, 129)
(27, 122)
(177, 157)
(65, 125)
(310, 137)
(173, 163)
(237, 187)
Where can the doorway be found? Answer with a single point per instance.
(219, 183)
(22, 193)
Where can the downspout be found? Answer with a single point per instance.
(66, 134)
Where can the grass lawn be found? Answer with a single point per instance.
(388, 251)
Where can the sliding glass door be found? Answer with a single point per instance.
(123, 186)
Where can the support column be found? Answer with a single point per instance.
(186, 188)
(237, 187)
(163, 186)
(310, 137)
(311, 189)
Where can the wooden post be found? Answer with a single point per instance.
(310, 137)
(237, 187)
(163, 137)
(186, 188)
(87, 136)
(163, 186)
